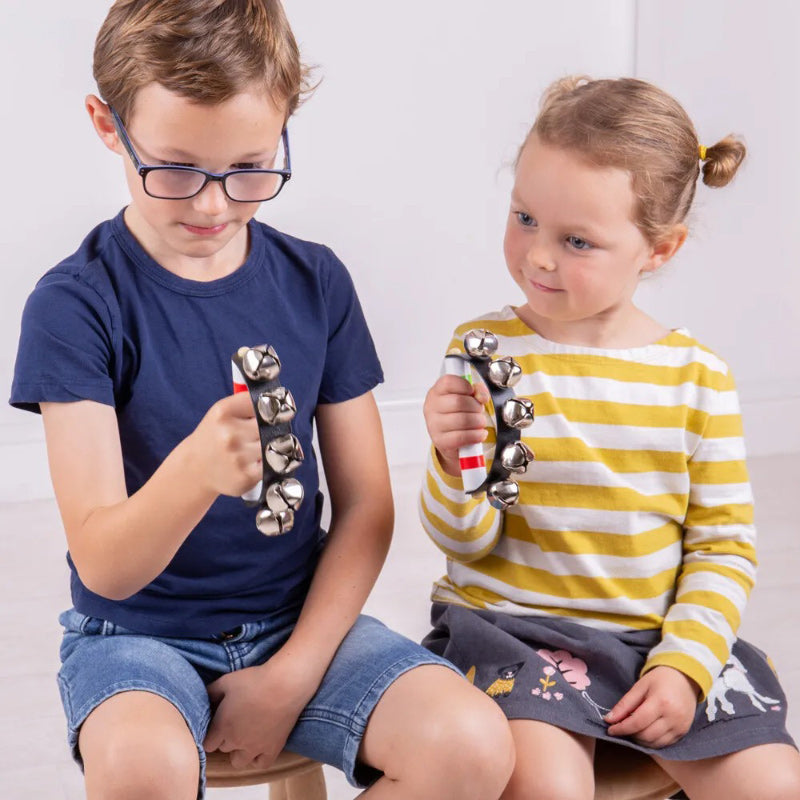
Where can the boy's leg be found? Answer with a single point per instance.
(136, 744)
(137, 712)
(402, 721)
(434, 735)
(765, 771)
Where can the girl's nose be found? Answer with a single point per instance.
(539, 256)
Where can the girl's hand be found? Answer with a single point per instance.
(256, 709)
(454, 417)
(658, 710)
(225, 447)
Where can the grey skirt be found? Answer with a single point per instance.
(571, 675)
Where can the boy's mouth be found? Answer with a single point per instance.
(200, 230)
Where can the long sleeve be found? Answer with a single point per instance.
(465, 528)
(719, 561)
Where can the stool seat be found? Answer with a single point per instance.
(622, 773)
(290, 776)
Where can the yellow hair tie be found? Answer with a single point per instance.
(703, 150)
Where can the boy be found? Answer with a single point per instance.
(192, 631)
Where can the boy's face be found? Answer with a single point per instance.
(203, 237)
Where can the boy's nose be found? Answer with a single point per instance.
(212, 200)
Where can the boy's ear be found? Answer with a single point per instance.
(666, 247)
(103, 123)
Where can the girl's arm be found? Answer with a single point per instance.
(118, 543)
(464, 527)
(719, 559)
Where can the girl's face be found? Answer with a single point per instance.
(572, 246)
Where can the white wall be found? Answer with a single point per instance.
(735, 67)
(401, 165)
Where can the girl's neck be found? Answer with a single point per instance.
(620, 329)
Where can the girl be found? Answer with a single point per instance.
(605, 604)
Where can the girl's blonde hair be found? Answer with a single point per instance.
(205, 50)
(635, 126)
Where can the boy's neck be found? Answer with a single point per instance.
(199, 266)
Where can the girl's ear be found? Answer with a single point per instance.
(666, 247)
(103, 123)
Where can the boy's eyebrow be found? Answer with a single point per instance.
(183, 155)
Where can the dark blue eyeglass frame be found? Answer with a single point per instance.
(143, 169)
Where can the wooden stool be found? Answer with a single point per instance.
(291, 777)
(622, 773)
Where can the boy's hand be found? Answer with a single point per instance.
(256, 709)
(657, 710)
(226, 447)
(454, 416)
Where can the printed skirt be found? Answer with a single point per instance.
(571, 675)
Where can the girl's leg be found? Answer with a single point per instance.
(552, 764)
(437, 737)
(136, 744)
(766, 771)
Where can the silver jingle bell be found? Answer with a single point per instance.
(480, 343)
(284, 454)
(516, 456)
(503, 494)
(261, 363)
(505, 372)
(285, 495)
(276, 406)
(518, 412)
(274, 524)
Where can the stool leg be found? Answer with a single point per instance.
(308, 786)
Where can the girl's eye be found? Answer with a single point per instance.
(578, 243)
(526, 219)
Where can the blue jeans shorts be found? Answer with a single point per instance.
(100, 659)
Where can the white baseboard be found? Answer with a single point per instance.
(771, 428)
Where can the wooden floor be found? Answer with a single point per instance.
(34, 761)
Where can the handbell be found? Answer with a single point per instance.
(503, 494)
(516, 456)
(505, 372)
(276, 406)
(480, 343)
(284, 454)
(271, 523)
(518, 412)
(285, 495)
(260, 363)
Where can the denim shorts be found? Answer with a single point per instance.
(100, 659)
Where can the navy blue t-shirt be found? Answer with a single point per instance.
(110, 324)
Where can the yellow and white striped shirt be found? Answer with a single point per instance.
(637, 512)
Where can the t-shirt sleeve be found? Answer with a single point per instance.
(65, 351)
(352, 366)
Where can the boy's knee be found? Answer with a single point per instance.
(473, 749)
(137, 745)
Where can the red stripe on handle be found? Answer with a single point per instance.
(239, 387)
(472, 462)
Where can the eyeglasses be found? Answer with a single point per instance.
(174, 182)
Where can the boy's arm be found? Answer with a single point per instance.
(362, 517)
(353, 455)
(118, 543)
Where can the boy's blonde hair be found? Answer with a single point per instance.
(635, 126)
(204, 50)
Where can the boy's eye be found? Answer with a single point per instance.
(578, 243)
(525, 219)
